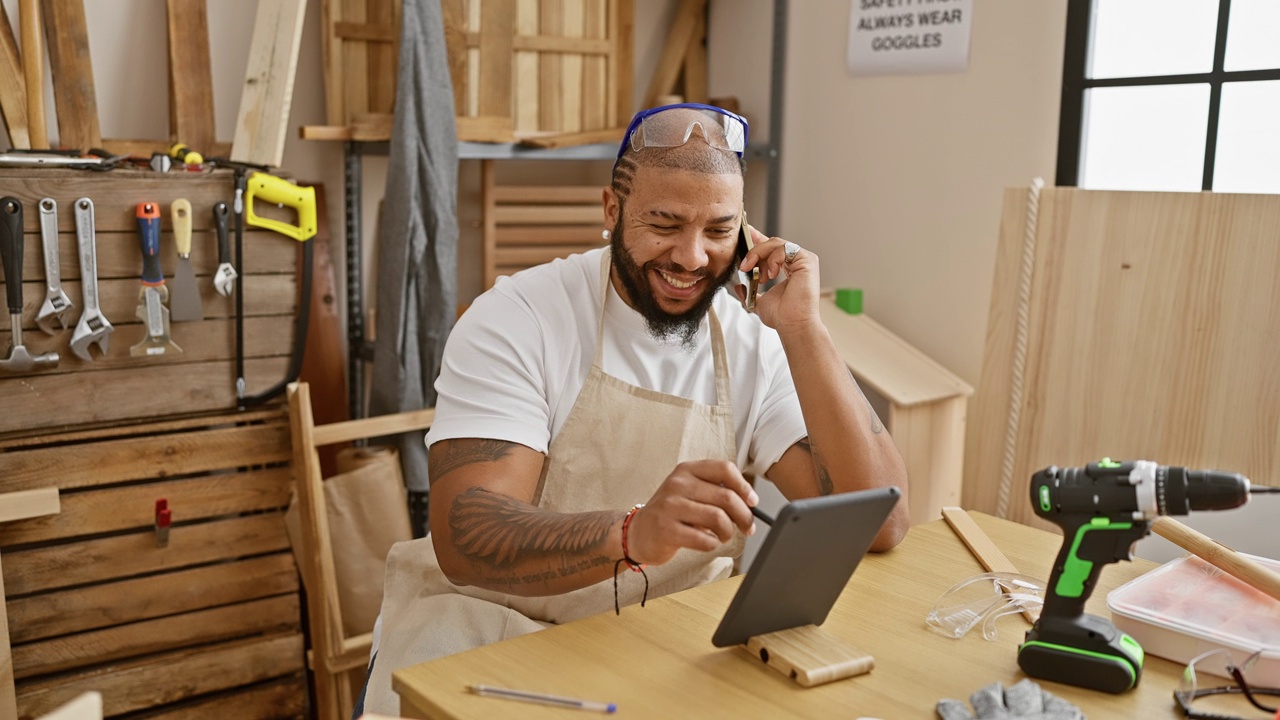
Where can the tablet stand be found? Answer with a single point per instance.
(809, 655)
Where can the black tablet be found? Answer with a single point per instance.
(807, 559)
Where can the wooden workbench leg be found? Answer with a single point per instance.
(930, 437)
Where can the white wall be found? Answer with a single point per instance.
(896, 181)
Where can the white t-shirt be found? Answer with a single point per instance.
(515, 362)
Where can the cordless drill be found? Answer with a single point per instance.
(1104, 508)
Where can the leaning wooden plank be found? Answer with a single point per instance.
(171, 677)
(121, 459)
(673, 51)
(133, 506)
(74, 95)
(695, 64)
(69, 652)
(47, 615)
(268, 83)
(191, 116)
(280, 699)
(27, 571)
(13, 88)
(32, 33)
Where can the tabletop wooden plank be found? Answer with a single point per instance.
(667, 645)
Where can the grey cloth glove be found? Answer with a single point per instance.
(1024, 701)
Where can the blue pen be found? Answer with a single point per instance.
(490, 691)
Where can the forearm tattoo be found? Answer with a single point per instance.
(820, 471)
(498, 530)
(457, 453)
(877, 427)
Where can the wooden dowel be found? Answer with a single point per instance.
(1218, 555)
(33, 69)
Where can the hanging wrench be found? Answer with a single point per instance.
(56, 303)
(224, 279)
(93, 327)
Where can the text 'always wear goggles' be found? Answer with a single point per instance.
(672, 126)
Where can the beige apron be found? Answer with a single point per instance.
(618, 444)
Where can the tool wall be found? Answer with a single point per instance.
(166, 581)
(196, 373)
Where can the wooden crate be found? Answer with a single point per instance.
(527, 225)
(526, 68)
(118, 387)
(208, 626)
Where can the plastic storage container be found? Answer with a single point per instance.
(1187, 607)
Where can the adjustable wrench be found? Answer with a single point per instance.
(56, 303)
(93, 328)
(224, 279)
(18, 358)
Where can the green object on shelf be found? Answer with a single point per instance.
(849, 300)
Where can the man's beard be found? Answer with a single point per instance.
(662, 325)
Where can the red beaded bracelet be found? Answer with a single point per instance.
(626, 554)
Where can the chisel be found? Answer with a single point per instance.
(184, 305)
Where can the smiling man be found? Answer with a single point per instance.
(600, 414)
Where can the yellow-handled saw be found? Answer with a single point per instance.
(282, 192)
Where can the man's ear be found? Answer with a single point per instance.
(612, 208)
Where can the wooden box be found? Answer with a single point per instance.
(527, 68)
(207, 626)
(119, 387)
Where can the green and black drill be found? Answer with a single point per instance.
(1103, 509)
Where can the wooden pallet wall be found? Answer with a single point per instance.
(525, 68)
(118, 387)
(207, 626)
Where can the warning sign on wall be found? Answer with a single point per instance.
(892, 37)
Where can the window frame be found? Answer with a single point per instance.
(1075, 83)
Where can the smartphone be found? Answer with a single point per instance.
(753, 281)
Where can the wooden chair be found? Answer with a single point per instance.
(333, 655)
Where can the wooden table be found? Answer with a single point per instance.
(658, 661)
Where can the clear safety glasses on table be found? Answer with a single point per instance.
(1213, 701)
(984, 599)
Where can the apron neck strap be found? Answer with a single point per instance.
(718, 354)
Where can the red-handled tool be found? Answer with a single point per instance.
(164, 518)
(153, 296)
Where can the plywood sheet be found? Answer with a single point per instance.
(1151, 333)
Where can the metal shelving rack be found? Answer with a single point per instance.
(360, 351)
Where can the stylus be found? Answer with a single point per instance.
(760, 515)
(542, 699)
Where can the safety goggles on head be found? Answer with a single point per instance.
(672, 126)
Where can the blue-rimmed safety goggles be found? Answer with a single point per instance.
(672, 125)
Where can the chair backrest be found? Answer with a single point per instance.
(333, 654)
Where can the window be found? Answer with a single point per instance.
(1179, 95)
